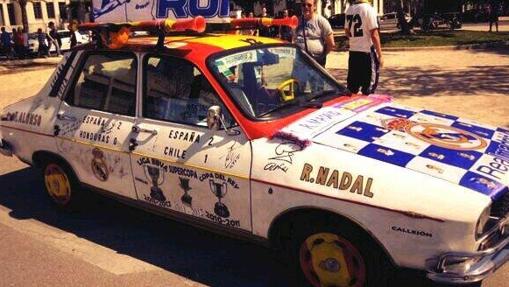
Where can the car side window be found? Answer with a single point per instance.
(176, 91)
(107, 82)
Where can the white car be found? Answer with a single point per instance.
(65, 37)
(347, 186)
(390, 20)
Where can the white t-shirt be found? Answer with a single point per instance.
(361, 19)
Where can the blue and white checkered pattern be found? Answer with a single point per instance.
(485, 170)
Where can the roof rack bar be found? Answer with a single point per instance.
(116, 35)
(244, 23)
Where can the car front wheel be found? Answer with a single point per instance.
(61, 184)
(339, 255)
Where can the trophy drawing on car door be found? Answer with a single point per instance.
(186, 198)
(153, 173)
(220, 190)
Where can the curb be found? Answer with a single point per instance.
(481, 46)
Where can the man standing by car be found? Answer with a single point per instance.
(314, 33)
(365, 60)
(54, 38)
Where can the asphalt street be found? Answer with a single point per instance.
(110, 244)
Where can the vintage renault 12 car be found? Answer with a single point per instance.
(250, 137)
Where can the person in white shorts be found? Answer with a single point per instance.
(365, 59)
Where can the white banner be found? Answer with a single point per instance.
(104, 11)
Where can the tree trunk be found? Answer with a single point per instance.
(403, 24)
(24, 17)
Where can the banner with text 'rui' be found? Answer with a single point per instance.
(215, 11)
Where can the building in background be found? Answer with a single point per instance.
(38, 13)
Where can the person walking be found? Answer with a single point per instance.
(285, 32)
(19, 46)
(5, 40)
(25, 42)
(265, 31)
(365, 52)
(43, 49)
(73, 27)
(493, 14)
(54, 38)
(314, 33)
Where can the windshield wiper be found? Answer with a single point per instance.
(323, 94)
(311, 104)
(277, 109)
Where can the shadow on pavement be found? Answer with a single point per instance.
(195, 254)
(415, 81)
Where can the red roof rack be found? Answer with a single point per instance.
(116, 35)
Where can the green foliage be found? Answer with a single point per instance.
(442, 38)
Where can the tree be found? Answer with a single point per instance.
(24, 17)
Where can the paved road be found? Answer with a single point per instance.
(108, 244)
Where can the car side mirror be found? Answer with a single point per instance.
(214, 117)
(215, 121)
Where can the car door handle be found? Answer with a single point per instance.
(137, 129)
(133, 143)
(64, 117)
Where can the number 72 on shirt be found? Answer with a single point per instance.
(357, 25)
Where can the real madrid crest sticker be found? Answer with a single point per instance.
(437, 134)
(99, 167)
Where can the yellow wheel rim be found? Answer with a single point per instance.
(329, 260)
(57, 184)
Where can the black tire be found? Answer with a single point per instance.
(61, 184)
(362, 256)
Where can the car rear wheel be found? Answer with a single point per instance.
(338, 255)
(61, 184)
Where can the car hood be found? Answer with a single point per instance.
(446, 147)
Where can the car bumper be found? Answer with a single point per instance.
(464, 268)
(5, 148)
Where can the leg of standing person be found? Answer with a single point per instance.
(49, 47)
(57, 47)
(353, 81)
(375, 72)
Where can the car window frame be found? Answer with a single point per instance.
(144, 60)
(291, 109)
(65, 69)
(77, 72)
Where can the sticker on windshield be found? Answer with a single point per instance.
(283, 52)
(237, 59)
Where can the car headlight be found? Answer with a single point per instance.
(480, 229)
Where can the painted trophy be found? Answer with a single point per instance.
(186, 198)
(219, 190)
(154, 174)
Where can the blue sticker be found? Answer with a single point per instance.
(500, 150)
(386, 154)
(432, 113)
(363, 131)
(482, 184)
(504, 131)
(395, 112)
(480, 131)
(460, 158)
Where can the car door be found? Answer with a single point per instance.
(179, 164)
(95, 119)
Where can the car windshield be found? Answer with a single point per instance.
(272, 82)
